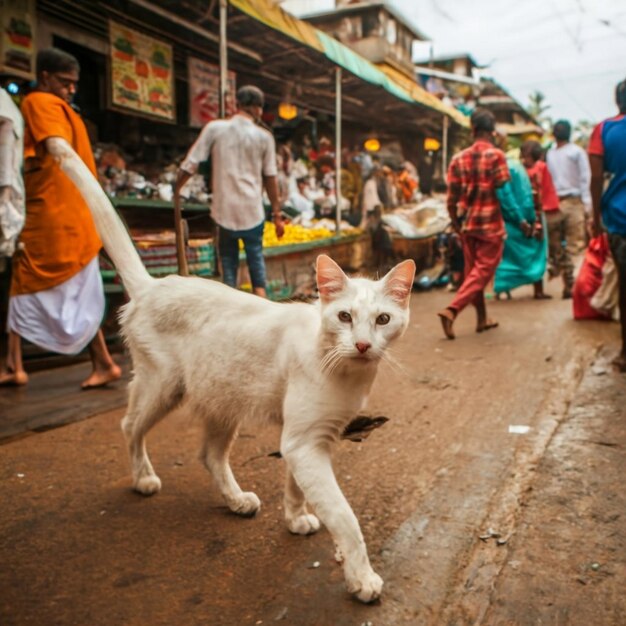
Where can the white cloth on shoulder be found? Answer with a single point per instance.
(63, 319)
(11, 156)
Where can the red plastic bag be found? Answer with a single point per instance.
(589, 279)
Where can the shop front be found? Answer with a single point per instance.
(152, 76)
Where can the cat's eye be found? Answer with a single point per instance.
(383, 319)
(344, 316)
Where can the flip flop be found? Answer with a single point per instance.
(98, 386)
(104, 383)
(11, 379)
(488, 325)
(447, 319)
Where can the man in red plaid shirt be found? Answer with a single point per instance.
(473, 177)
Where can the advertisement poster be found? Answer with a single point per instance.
(17, 38)
(142, 73)
(204, 92)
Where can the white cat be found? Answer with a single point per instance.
(231, 356)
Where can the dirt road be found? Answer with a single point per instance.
(77, 546)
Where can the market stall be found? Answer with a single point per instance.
(154, 72)
(414, 230)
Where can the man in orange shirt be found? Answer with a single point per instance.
(57, 298)
(407, 184)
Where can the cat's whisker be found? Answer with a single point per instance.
(397, 366)
(328, 358)
(334, 361)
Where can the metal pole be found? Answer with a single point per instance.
(338, 147)
(223, 57)
(444, 148)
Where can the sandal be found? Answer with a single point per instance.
(488, 325)
(447, 319)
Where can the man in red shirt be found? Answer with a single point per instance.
(607, 156)
(473, 177)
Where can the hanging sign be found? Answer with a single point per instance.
(204, 92)
(17, 38)
(141, 73)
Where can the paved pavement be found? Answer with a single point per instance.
(53, 398)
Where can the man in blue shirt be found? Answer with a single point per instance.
(607, 156)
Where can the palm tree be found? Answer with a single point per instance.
(582, 132)
(537, 108)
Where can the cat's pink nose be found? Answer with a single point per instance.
(363, 346)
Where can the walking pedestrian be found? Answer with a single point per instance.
(539, 174)
(569, 167)
(57, 296)
(11, 199)
(607, 155)
(473, 177)
(524, 256)
(243, 162)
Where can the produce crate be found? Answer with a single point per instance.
(160, 260)
(277, 290)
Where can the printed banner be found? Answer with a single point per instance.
(142, 73)
(17, 38)
(204, 92)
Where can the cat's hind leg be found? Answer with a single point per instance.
(219, 436)
(299, 520)
(147, 405)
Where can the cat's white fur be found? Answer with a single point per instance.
(231, 356)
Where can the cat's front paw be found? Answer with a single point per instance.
(246, 504)
(367, 588)
(306, 524)
(148, 485)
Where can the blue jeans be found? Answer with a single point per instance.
(229, 254)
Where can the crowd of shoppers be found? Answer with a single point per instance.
(513, 215)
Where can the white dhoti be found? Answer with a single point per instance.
(63, 319)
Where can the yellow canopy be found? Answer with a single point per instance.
(273, 16)
(419, 94)
(389, 79)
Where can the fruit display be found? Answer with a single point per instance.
(296, 233)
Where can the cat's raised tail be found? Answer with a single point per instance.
(110, 227)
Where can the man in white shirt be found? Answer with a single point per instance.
(243, 162)
(12, 205)
(300, 201)
(569, 167)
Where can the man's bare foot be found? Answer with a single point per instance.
(447, 319)
(543, 296)
(14, 379)
(488, 324)
(620, 362)
(100, 378)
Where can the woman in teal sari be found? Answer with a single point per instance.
(525, 249)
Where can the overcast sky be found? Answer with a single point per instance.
(574, 51)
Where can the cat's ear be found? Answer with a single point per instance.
(398, 282)
(330, 278)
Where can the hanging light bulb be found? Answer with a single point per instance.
(431, 144)
(287, 111)
(371, 144)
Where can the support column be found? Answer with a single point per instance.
(338, 77)
(444, 148)
(223, 58)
